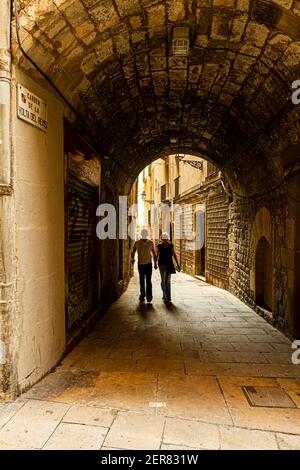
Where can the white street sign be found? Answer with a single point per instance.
(32, 109)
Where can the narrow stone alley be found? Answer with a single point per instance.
(166, 376)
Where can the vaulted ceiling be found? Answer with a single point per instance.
(113, 60)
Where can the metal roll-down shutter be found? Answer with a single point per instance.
(82, 272)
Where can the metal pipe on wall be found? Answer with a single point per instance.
(5, 94)
(7, 267)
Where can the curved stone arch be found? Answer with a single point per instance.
(111, 58)
(161, 154)
(262, 228)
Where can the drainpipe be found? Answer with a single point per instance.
(5, 80)
(6, 204)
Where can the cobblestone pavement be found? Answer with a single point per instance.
(157, 376)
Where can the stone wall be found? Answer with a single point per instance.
(245, 232)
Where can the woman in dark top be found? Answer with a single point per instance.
(165, 253)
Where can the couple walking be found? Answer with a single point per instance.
(162, 256)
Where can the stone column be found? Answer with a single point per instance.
(6, 206)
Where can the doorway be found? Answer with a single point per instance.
(200, 241)
(263, 275)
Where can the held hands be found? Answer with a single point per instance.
(155, 265)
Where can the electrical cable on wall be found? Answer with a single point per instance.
(36, 66)
(93, 146)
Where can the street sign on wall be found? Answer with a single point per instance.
(32, 109)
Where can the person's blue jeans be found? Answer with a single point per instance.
(165, 282)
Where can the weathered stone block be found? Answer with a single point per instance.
(204, 19)
(223, 3)
(243, 5)
(89, 63)
(221, 22)
(127, 7)
(138, 36)
(136, 22)
(287, 4)
(256, 34)
(122, 43)
(105, 15)
(104, 50)
(75, 13)
(176, 10)
(156, 19)
(291, 57)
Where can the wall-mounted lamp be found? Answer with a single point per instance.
(143, 196)
(193, 162)
(181, 41)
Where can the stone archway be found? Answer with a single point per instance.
(227, 100)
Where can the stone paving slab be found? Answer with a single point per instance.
(270, 338)
(136, 431)
(6, 446)
(220, 338)
(90, 415)
(76, 437)
(177, 447)
(278, 357)
(292, 388)
(208, 346)
(33, 424)
(8, 410)
(233, 438)
(161, 366)
(147, 352)
(194, 367)
(288, 441)
(192, 397)
(253, 347)
(193, 434)
(126, 390)
(232, 357)
(280, 370)
(109, 364)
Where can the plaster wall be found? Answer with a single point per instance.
(39, 338)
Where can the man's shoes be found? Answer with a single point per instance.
(149, 300)
(142, 299)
